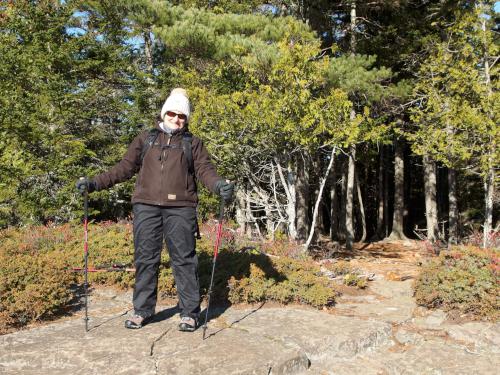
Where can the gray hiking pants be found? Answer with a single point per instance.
(177, 227)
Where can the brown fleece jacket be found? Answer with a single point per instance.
(163, 179)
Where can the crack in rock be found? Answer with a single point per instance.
(151, 350)
(156, 366)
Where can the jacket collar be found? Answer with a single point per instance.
(165, 129)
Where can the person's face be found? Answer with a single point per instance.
(174, 120)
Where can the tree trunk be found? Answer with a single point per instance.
(386, 197)
(442, 200)
(452, 207)
(399, 191)
(361, 207)
(319, 197)
(381, 197)
(241, 217)
(452, 189)
(349, 210)
(291, 206)
(302, 201)
(318, 220)
(264, 203)
(489, 182)
(430, 198)
(290, 191)
(148, 52)
(489, 192)
(353, 26)
(251, 220)
(349, 206)
(342, 210)
(269, 222)
(334, 206)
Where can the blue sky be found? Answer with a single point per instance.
(137, 40)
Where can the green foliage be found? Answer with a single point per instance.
(222, 6)
(458, 116)
(357, 74)
(33, 287)
(34, 282)
(200, 33)
(352, 279)
(351, 275)
(252, 276)
(281, 246)
(274, 112)
(291, 281)
(37, 282)
(341, 267)
(64, 87)
(465, 279)
(271, 83)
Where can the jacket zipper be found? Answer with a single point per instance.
(164, 151)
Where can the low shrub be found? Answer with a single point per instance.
(37, 279)
(339, 268)
(353, 279)
(476, 238)
(351, 275)
(464, 279)
(34, 283)
(283, 280)
(249, 275)
(283, 247)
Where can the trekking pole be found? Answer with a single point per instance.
(86, 253)
(216, 251)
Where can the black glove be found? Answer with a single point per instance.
(225, 190)
(85, 184)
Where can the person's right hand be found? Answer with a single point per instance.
(85, 184)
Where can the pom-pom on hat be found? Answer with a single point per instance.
(178, 102)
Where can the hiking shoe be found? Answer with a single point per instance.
(187, 324)
(136, 322)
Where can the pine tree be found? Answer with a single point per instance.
(65, 84)
(458, 113)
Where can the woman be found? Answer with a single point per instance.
(168, 161)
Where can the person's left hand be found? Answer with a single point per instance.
(225, 189)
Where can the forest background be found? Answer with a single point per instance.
(356, 120)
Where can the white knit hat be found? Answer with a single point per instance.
(177, 102)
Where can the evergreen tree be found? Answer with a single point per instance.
(458, 113)
(64, 89)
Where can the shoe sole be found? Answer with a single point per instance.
(183, 327)
(131, 325)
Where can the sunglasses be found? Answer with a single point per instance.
(181, 116)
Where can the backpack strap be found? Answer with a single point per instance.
(150, 140)
(187, 140)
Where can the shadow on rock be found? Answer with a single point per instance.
(233, 265)
(165, 314)
(220, 311)
(108, 320)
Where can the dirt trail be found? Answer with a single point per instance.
(422, 341)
